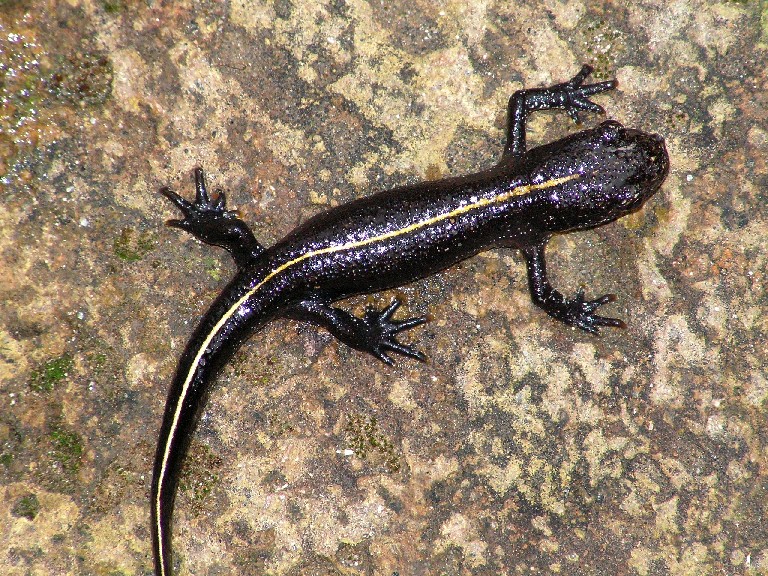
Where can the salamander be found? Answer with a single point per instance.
(396, 236)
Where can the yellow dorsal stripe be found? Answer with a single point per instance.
(480, 203)
(517, 191)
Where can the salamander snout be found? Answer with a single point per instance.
(632, 165)
(647, 157)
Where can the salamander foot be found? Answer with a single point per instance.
(580, 313)
(381, 331)
(210, 221)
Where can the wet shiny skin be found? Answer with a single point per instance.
(394, 237)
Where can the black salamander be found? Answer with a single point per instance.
(397, 236)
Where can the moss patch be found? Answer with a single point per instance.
(367, 441)
(130, 246)
(83, 78)
(67, 448)
(26, 507)
(44, 378)
(199, 476)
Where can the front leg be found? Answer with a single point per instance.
(571, 96)
(210, 221)
(575, 312)
(373, 333)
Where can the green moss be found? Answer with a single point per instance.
(67, 448)
(132, 247)
(10, 442)
(82, 78)
(113, 6)
(45, 377)
(26, 507)
(213, 267)
(279, 426)
(367, 441)
(98, 359)
(199, 476)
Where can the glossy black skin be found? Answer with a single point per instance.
(619, 169)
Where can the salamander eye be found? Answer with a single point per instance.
(611, 131)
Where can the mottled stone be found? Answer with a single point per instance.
(521, 447)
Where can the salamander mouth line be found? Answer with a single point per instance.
(480, 203)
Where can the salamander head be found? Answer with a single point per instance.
(618, 170)
(639, 161)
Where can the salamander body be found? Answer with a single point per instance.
(396, 236)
